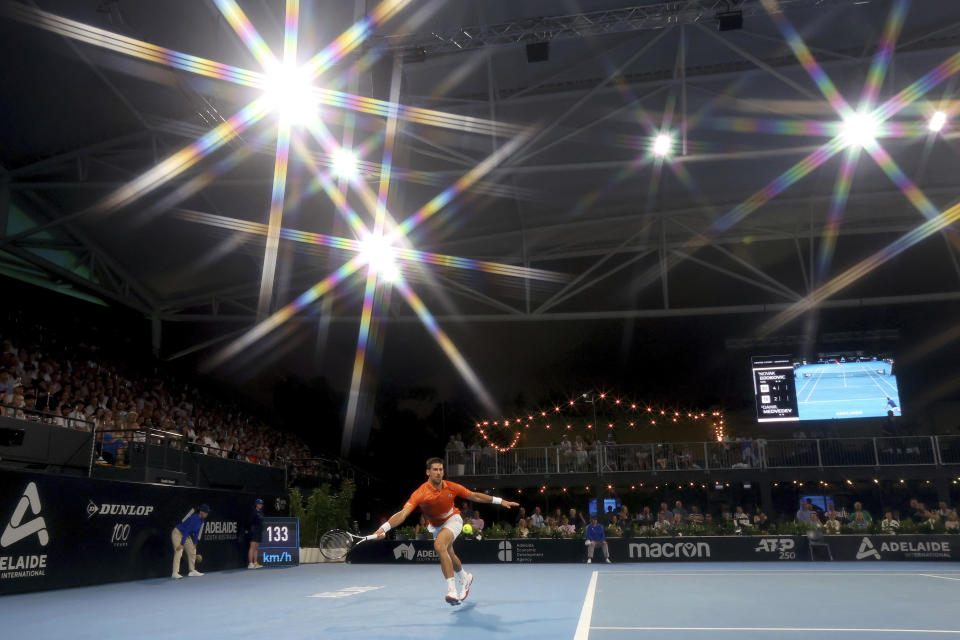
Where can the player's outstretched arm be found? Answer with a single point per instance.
(394, 521)
(482, 497)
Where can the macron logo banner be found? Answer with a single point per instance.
(17, 529)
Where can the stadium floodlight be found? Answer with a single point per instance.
(937, 121)
(662, 145)
(859, 129)
(345, 164)
(377, 252)
(289, 92)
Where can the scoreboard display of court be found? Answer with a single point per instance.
(787, 389)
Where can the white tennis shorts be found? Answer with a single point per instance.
(454, 523)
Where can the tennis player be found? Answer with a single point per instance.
(435, 498)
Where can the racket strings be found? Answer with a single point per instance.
(335, 544)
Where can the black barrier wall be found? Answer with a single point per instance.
(59, 531)
(706, 549)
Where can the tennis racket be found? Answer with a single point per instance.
(336, 544)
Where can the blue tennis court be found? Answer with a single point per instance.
(846, 390)
(360, 602)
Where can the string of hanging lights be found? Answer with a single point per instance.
(617, 411)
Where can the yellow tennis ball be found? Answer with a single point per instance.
(467, 529)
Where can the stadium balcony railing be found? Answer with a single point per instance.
(144, 447)
(931, 451)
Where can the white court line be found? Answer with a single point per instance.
(954, 631)
(814, 386)
(930, 575)
(583, 627)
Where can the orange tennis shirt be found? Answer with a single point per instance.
(437, 504)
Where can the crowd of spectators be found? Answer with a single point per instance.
(833, 520)
(75, 387)
(679, 518)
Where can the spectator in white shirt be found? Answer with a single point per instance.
(536, 519)
(888, 524)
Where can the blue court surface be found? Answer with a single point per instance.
(846, 390)
(599, 602)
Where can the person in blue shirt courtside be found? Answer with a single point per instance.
(596, 536)
(186, 535)
(256, 534)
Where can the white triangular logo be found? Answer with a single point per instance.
(17, 529)
(867, 550)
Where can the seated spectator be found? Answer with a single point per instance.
(952, 521)
(523, 529)
(521, 515)
(803, 513)
(615, 526)
(550, 525)
(677, 521)
(858, 510)
(816, 509)
(888, 524)
(679, 510)
(566, 529)
(662, 524)
(842, 514)
(645, 518)
(944, 510)
(859, 521)
(832, 525)
(576, 519)
(113, 448)
(596, 537)
(695, 516)
(477, 523)
(536, 519)
(665, 511)
(421, 526)
(624, 515)
(815, 523)
(760, 519)
(931, 521)
(740, 517)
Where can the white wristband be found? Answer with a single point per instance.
(496, 500)
(385, 527)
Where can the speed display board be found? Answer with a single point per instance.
(280, 544)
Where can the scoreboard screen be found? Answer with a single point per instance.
(774, 389)
(280, 544)
(828, 387)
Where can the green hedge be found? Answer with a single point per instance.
(322, 511)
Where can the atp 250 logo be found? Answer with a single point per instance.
(783, 547)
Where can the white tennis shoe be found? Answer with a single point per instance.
(176, 576)
(452, 598)
(465, 587)
(194, 574)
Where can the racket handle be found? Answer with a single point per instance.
(372, 536)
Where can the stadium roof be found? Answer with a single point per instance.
(123, 179)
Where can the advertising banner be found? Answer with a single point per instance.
(62, 531)
(679, 549)
(898, 547)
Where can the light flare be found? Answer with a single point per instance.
(239, 22)
(937, 121)
(864, 267)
